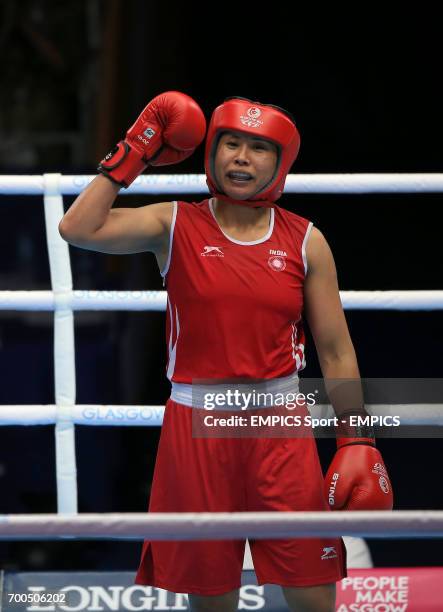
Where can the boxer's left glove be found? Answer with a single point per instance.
(357, 478)
(167, 131)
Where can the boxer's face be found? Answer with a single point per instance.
(244, 164)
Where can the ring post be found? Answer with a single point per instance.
(64, 350)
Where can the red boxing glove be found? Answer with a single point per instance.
(357, 478)
(168, 130)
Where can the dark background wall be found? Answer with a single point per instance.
(366, 92)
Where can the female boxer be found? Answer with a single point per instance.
(239, 271)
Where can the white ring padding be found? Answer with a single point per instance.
(92, 299)
(224, 525)
(64, 353)
(152, 416)
(196, 183)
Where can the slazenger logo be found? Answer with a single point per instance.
(252, 119)
(329, 552)
(212, 251)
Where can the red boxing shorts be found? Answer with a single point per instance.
(236, 475)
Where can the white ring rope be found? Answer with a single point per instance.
(152, 416)
(64, 301)
(92, 299)
(221, 525)
(196, 183)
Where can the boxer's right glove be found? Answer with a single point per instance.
(168, 130)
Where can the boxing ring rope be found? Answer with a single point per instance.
(63, 300)
(196, 183)
(92, 299)
(223, 525)
(133, 416)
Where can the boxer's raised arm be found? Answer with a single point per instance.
(167, 131)
(91, 224)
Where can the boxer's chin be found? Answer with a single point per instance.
(239, 190)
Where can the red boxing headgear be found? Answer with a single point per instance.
(263, 121)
